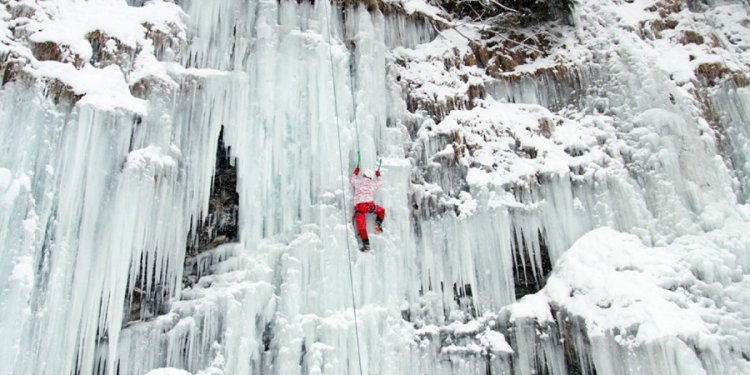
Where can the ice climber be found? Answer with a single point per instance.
(364, 186)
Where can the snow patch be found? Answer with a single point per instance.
(70, 23)
(23, 271)
(643, 294)
(495, 341)
(153, 160)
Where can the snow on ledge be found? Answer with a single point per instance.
(691, 289)
(66, 28)
(421, 7)
(103, 88)
(616, 283)
(153, 160)
(72, 21)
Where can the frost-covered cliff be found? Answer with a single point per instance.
(566, 187)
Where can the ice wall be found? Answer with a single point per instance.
(101, 195)
(489, 184)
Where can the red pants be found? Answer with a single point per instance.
(360, 210)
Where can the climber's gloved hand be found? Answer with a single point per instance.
(356, 171)
(377, 173)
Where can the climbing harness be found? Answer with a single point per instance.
(343, 187)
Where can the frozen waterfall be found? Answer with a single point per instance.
(171, 203)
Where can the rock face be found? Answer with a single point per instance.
(220, 224)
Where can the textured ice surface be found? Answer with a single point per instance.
(625, 172)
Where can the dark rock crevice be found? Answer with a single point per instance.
(527, 278)
(221, 223)
(218, 226)
(518, 13)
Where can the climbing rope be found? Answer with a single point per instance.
(343, 187)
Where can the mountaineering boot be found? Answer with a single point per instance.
(379, 226)
(365, 246)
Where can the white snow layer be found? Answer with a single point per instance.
(618, 181)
